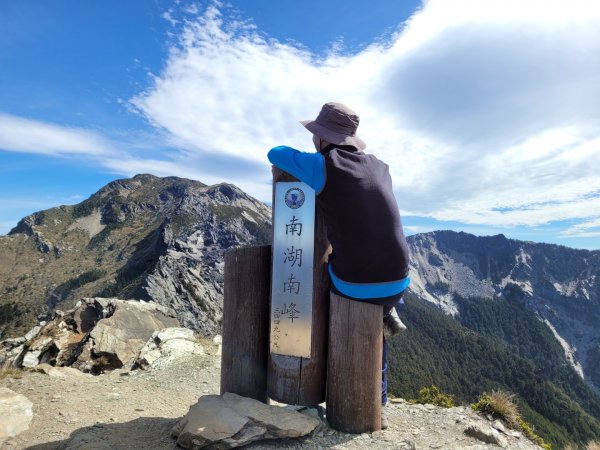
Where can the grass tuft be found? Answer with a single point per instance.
(501, 405)
(10, 372)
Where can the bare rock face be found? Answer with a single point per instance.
(229, 421)
(16, 413)
(560, 285)
(485, 434)
(144, 238)
(119, 338)
(167, 345)
(98, 334)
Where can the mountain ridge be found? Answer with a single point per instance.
(145, 237)
(163, 239)
(559, 284)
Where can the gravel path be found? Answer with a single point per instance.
(136, 410)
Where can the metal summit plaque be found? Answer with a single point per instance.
(292, 283)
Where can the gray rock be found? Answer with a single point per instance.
(32, 333)
(228, 421)
(485, 434)
(170, 333)
(167, 345)
(14, 342)
(15, 411)
(120, 337)
(31, 359)
(41, 344)
(498, 425)
(10, 350)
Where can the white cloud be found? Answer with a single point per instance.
(167, 15)
(488, 112)
(18, 134)
(589, 228)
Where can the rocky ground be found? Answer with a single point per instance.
(136, 409)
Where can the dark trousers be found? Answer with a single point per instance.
(384, 363)
(384, 366)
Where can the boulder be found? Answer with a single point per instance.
(486, 434)
(167, 345)
(32, 333)
(229, 421)
(118, 339)
(168, 334)
(31, 359)
(498, 425)
(98, 334)
(16, 413)
(13, 357)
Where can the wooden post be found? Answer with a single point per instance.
(246, 322)
(301, 381)
(354, 365)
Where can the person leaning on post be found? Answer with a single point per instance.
(354, 193)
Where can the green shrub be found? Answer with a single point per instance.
(434, 396)
(528, 431)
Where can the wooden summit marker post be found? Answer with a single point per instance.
(354, 365)
(299, 296)
(246, 322)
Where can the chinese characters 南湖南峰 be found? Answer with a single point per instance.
(293, 256)
(294, 227)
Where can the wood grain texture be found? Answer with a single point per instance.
(246, 316)
(302, 381)
(354, 365)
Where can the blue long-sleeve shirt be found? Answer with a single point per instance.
(354, 191)
(307, 167)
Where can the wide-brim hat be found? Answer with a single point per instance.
(337, 124)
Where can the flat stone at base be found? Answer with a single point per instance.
(229, 421)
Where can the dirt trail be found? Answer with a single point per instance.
(124, 410)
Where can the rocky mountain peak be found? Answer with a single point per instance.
(146, 237)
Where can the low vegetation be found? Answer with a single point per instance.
(434, 396)
(10, 372)
(493, 353)
(501, 405)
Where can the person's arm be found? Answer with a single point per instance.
(307, 167)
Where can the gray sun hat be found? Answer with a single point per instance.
(337, 124)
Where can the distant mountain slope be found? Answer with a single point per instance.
(438, 350)
(144, 238)
(560, 285)
(523, 316)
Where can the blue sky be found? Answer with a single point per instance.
(487, 111)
